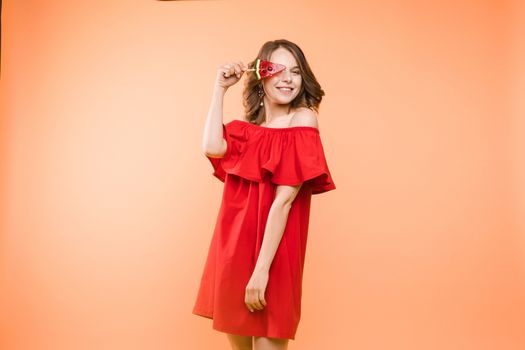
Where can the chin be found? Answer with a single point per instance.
(286, 100)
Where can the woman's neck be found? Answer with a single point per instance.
(274, 112)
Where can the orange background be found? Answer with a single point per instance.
(108, 203)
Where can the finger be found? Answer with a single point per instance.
(225, 70)
(240, 65)
(254, 299)
(249, 307)
(261, 298)
(226, 66)
(229, 71)
(254, 306)
(238, 70)
(247, 301)
(243, 66)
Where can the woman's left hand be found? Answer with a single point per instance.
(254, 296)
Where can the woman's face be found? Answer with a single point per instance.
(290, 77)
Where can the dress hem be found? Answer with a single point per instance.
(236, 332)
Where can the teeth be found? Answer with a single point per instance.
(289, 89)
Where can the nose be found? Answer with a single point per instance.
(286, 74)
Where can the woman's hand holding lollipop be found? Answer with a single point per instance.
(229, 74)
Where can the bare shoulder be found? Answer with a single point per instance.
(305, 117)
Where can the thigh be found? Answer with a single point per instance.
(240, 342)
(265, 343)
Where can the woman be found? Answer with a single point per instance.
(271, 163)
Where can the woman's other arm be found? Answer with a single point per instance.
(254, 296)
(275, 224)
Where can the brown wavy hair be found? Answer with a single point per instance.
(309, 96)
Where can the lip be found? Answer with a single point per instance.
(286, 92)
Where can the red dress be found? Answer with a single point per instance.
(256, 160)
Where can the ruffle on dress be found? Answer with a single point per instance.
(283, 156)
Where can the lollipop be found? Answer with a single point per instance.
(265, 69)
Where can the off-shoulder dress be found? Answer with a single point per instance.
(257, 159)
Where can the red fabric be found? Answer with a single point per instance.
(258, 159)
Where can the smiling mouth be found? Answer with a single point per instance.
(284, 89)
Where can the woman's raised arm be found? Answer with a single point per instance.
(213, 142)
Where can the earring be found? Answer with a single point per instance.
(260, 92)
